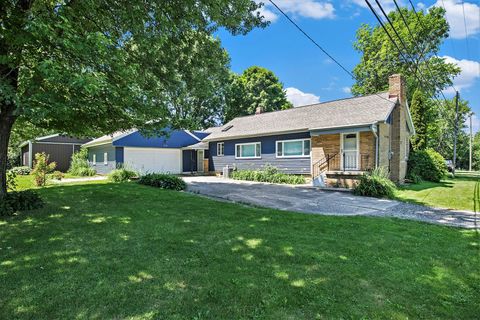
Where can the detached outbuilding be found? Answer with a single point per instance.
(59, 148)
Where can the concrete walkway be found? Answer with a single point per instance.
(309, 200)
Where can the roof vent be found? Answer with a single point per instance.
(227, 128)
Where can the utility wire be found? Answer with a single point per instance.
(314, 42)
(400, 52)
(425, 28)
(446, 18)
(422, 53)
(319, 46)
(466, 32)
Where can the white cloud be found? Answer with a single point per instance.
(347, 90)
(475, 124)
(455, 17)
(305, 8)
(300, 98)
(469, 74)
(387, 5)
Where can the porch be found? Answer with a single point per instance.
(338, 159)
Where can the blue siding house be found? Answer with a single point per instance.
(177, 151)
(331, 142)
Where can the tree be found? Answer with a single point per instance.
(91, 67)
(441, 132)
(423, 116)
(255, 87)
(380, 58)
(476, 151)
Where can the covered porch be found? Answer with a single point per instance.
(195, 159)
(341, 155)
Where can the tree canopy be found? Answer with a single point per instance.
(255, 87)
(89, 67)
(380, 58)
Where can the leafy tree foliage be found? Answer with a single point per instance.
(255, 87)
(90, 67)
(423, 116)
(380, 58)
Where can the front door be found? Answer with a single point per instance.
(350, 151)
(200, 156)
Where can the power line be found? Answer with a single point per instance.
(400, 51)
(320, 47)
(421, 53)
(394, 42)
(466, 32)
(314, 42)
(425, 28)
(446, 18)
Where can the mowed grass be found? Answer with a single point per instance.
(459, 193)
(128, 251)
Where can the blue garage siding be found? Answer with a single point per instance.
(287, 165)
(189, 159)
(119, 155)
(99, 152)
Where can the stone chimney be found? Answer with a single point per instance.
(259, 110)
(399, 132)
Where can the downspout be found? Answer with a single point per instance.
(374, 131)
(30, 155)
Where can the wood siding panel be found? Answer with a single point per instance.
(61, 154)
(367, 151)
(324, 145)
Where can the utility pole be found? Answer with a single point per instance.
(455, 136)
(471, 138)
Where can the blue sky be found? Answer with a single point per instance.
(310, 76)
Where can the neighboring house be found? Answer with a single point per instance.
(178, 151)
(59, 148)
(333, 142)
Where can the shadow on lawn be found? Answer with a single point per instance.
(114, 251)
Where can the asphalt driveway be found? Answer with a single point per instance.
(310, 200)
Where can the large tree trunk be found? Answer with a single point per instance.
(6, 122)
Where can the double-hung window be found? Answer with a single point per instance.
(293, 148)
(94, 159)
(220, 149)
(248, 150)
(105, 158)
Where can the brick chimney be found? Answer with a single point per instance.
(259, 110)
(399, 135)
(396, 87)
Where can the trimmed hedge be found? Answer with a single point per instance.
(20, 201)
(121, 175)
(268, 174)
(163, 181)
(426, 164)
(375, 184)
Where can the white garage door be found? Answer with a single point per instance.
(147, 160)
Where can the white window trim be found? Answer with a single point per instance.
(94, 159)
(246, 144)
(105, 158)
(218, 147)
(293, 140)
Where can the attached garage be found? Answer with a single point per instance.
(147, 160)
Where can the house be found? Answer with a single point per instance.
(332, 142)
(59, 147)
(177, 151)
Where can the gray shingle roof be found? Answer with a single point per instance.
(333, 114)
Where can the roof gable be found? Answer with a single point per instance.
(173, 139)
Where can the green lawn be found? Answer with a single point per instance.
(463, 193)
(129, 251)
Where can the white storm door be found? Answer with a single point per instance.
(350, 151)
